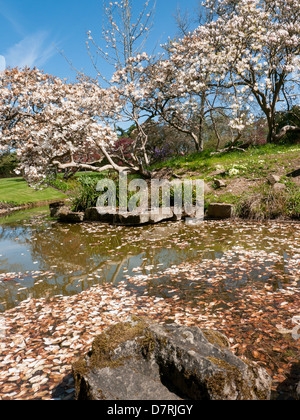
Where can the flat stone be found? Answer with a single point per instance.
(95, 214)
(220, 211)
(132, 219)
(273, 179)
(70, 217)
(278, 187)
(158, 217)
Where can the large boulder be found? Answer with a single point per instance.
(141, 360)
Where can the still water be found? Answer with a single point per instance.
(40, 257)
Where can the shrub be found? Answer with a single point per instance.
(8, 163)
(290, 117)
(87, 195)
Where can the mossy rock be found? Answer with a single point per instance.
(143, 360)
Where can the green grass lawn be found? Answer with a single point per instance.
(17, 191)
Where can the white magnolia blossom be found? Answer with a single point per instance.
(246, 57)
(259, 43)
(50, 122)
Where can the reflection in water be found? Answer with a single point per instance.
(40, 257)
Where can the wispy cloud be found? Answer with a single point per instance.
(10, 15)
(33, 51)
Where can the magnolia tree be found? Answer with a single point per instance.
(50, 123)
(183, 92)
(256, 48)
(186, 86)
(122, 41)
(57, 125)
(243, 61)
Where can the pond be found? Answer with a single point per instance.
(40, 257)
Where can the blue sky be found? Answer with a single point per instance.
(32, 32)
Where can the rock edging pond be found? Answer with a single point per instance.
(63, 213)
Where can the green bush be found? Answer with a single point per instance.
(290, 117)
(8, 163)
(87, 195)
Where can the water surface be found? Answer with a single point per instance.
(40, 257)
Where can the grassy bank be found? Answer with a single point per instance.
(244, 176)
(15, 192)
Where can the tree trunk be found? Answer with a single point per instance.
(201, 122)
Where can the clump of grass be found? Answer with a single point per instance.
(293, 200)
(264, 203)
(86, 195)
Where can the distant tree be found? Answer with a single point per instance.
(8, 163)
(165, 141)
(126, 132)
(289, 118)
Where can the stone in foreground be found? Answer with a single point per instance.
(141, 360)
